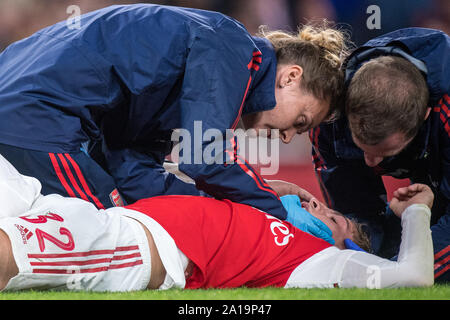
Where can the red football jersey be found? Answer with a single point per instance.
(231, 244)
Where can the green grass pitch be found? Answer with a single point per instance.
(437, 292)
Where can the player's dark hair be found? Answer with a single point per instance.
(361, 237)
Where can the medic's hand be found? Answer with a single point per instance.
(413, 194)
(303, 220)
(283, 188)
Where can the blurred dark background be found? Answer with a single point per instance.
(21, 18)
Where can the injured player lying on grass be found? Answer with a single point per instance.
(192, 242)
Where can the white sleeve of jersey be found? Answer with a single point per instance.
(349, 268)
(17, 192)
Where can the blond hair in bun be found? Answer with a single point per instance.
(320, 50)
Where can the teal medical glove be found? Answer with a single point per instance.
(304, 220)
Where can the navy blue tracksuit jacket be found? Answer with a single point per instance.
(353, 188)
(120, 85)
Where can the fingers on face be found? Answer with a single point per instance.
(305, 195)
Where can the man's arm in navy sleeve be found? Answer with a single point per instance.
(441, 214)
(348, 185)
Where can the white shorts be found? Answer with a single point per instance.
(80, 249)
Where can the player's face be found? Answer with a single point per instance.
(296, 111)
(340, 226)
(391, 146)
